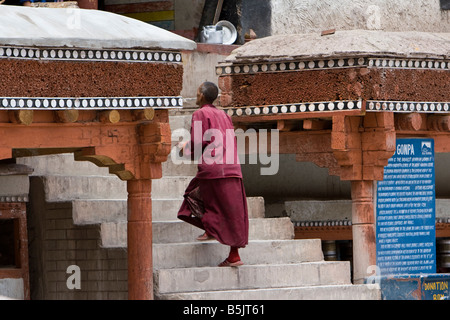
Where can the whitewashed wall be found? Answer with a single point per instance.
(304, 16)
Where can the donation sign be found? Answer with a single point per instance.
(406, 241)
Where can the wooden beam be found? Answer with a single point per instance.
(324, 232)
(345, 232)
(67, 116)
(442, 230)
(218, 11)
(295, 116)
(314, 124)
(439, 123)
(145, 114)
(111, 116)
(21, 117)
(408, 121)
(284, 125)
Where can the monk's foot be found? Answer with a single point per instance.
(205, 237)
(227, 263)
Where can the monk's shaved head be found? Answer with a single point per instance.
(209, 91)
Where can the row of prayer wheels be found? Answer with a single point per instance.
(342, 251)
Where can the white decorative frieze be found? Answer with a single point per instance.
(328, 106)
(408, 106)
(337, 106)
(335, 63)
(76, 54)
(92, 103)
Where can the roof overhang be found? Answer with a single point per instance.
(82, 28)
(348, 43)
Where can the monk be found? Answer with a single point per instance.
(215, 199)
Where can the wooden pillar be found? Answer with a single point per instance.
(139, 238)
(363, 229)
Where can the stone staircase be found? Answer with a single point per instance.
(276, 265)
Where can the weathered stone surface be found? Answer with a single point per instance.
(207, 254)
(333, 292)
(346, 65)
(337, 84)
(252, 277)
(114, 234)
(34, 78)
(82, 28)
(315, 16)
(347, 43)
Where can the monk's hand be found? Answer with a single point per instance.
(181, 146)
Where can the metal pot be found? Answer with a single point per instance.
(212, 34)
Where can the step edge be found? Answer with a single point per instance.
(375, 290)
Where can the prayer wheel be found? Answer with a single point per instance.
(443, 253)
(329, 250)
(345, 250)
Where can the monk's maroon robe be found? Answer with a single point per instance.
(219, 177)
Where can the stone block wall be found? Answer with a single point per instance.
(56, 244)
(200, 65)
(306, 16)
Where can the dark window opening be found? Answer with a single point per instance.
(445, 4)
(8, 248)
(443, 255)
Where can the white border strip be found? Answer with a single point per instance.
(332, 63)
(89, 103)
(407, 106)
(76, 54)
(306, 107)
(23, 198)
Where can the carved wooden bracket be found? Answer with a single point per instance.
(132, 149)
(362, 146)
(439, 123)
(145, 146)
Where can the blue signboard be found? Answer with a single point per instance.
(415, 287)
(405, 224)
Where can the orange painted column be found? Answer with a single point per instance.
(363, 229)
(139, 238)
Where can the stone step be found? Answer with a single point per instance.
(211, 253)
(114, 234)
(337, 210)
(63, 188)
(252, 277)
(325, 292)
(62, 164)
(95, 211)
(174, 167)
(60, 188)
(318, 210)
(259, 229)
(65, 164)
(180, 121)
(170, 187)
